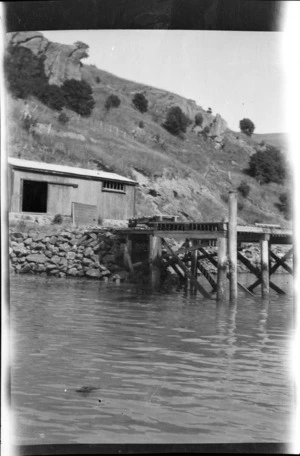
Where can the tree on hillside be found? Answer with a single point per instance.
(24, 72)
(53, 97)
(112, 101)
(268, 166)
(247, 126)
(198, 119)
(285, 205)
(78, 97)
(140, 102)
(176, 121)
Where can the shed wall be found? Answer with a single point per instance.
(110, 205)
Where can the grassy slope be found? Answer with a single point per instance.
(190, 175)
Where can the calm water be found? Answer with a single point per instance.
(166, 368)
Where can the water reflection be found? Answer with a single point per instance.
(159, 367)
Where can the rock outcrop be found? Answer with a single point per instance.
(61, 60)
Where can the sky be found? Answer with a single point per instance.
(237, 74)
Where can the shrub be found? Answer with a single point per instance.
(140, 102)
(285, 205)
(28, 123)
(78, 97)
(244, 189)
(247, 126)
(112, 101)
(63, 118)
(198, 119)
(268, 166)
(53, 97)
(176, 121)
(58, 219)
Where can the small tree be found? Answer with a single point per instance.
(268, 166)
(140, 102)
(78, 97)
(198, 119)
(244, 189)
(112, 101)
(176, 121)
(247, 126)
(285, 205)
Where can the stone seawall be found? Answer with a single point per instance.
(69, 252)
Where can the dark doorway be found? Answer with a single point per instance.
(34, 196)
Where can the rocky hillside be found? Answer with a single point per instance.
(188, 176)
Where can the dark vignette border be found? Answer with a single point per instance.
(238, 15)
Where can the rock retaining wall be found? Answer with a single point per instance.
(76, 253)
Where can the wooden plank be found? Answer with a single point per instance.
(84, 214)
(187, 272)
(190, 234)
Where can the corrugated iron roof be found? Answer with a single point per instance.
(61, 169)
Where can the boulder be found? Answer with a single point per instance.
(88, 252)
(218, 127)
(93, 273)
(25, 269)
(71, 255)
(72, 272)
(37, 258)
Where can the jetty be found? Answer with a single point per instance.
(191, 259)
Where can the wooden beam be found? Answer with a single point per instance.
(257, 272)
(187, 272)
(265, 278)
(155, 259)
(215, 263)
(232, 245)
(273, 268)
(222, 268)
(194, 271)
(127, 259)
(207, 275)
(280, 261)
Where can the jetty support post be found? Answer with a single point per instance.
(194, 257)
(155, 260)
(222, 266)
(265, 273)
(127, 254)
(232, 245)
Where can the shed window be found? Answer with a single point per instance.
(34, 197)
(112, 186)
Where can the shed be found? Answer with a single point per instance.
(46, 188)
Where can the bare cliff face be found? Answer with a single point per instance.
(61, 61)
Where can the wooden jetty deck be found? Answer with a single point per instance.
(191, 259)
